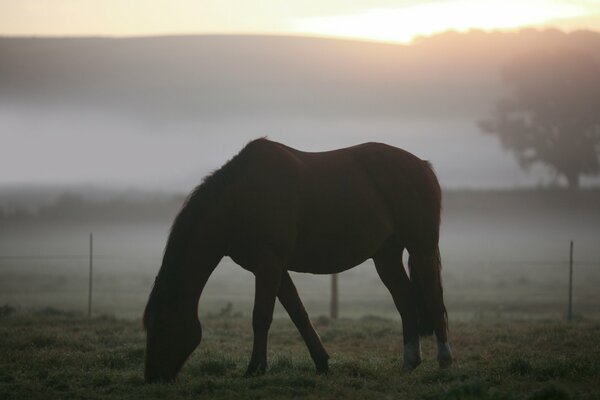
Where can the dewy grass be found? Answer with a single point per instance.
(69, 356)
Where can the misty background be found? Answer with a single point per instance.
(109, 135)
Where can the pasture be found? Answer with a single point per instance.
(51, 354)
(505, 281)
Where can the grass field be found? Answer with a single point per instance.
(505, 285)
(56, 355)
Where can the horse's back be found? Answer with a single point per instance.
(391, 182)
(333, 209)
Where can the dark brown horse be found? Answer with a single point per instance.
(274, 209)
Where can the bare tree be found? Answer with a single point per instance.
(552, 115)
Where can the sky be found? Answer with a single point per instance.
(379, 20)
(79, 148)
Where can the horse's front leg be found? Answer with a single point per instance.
(267, 280)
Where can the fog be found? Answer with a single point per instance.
(127, 127)
(504, 253)
(159, 113)
(99, 150)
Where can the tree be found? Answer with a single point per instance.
(552, 115)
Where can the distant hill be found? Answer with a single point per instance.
(448, 75)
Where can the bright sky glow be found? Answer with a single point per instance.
(405, 23)
(385, 20)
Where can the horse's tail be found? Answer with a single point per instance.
(425, 273)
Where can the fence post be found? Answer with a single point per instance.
(334, 297)
(90, 281)
(570, 311)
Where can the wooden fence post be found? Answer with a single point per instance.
(570, 311)
(90, 281)
(333, 311)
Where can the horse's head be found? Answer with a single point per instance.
(172, 334)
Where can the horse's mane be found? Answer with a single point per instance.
(183, 226)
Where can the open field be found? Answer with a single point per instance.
(505, 254)
(56, 355)
(505, 273)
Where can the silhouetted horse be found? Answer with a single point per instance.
(274, 209)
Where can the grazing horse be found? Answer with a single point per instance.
(273, 209)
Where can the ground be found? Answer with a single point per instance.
(56, 355)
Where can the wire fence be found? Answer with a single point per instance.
(62, 282)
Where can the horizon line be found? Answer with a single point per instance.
(413, 41)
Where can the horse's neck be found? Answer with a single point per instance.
(197, 268)
(194, 249)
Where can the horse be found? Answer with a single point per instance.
(274, 209)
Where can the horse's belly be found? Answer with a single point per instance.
(327, 255)
(323, 267)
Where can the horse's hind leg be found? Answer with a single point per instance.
(288, 296)
(425, 271)
(388, 263)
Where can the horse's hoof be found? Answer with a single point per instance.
(445, 362)
(250, 374)
(322, 366)
(444, 356)
(412, 355)
(411, 365)
(256, 370)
